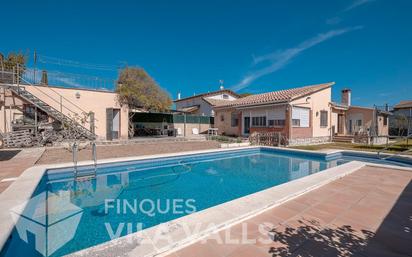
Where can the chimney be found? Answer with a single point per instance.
(178, 96)
(44, 79)
(346, 96)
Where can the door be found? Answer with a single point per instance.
(246, 125)
(112, 123)
(341, 123)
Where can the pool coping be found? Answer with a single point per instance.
(228, 214)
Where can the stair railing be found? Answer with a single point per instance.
(60, 101)
(75, 149)
(94, 156)
(19, 90)
(392, 144)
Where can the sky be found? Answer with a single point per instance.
(252, 46)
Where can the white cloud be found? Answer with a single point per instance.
(67, 81)
(281, 58)
(357, 3)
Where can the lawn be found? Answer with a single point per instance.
(399, 147)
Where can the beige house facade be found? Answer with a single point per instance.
(108, 120)
(304, 115)
(300, 114)
(202, 104)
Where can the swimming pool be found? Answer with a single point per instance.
(67, 215)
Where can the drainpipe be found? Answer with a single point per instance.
(289, 108)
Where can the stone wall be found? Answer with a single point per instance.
(309, 141)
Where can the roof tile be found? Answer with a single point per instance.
(277, 96)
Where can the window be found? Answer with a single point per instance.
(222, 117)
(277, 123)
(359, 123)
(296, 122)
(225, 96)
(323, 118)
(385, 121)
(300, 117)
(235, 120)
(259, 121)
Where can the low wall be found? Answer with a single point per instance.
(309, 141)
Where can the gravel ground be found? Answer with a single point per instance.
(59, 155)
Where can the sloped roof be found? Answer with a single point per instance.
(227, 91)
(189, 109)
(277, 96)
(216, 102)
(404, 104)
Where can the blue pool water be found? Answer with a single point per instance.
(74, 216)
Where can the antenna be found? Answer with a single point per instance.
(221, 84)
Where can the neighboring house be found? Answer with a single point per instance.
(108, 120)
(349, 120)
(401, 121)
(203, 104)
(302, 114)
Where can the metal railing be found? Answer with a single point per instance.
(13, 75)
(391, 145)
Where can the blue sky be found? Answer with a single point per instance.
(254, 46)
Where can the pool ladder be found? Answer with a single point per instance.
(77, 175)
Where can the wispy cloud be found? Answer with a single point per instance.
(357, 3)
(336, 20)
(281, 58)
(67, 81)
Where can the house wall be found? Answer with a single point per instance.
(89, 101)
(354, 114)
(271, 113)
(204, 107)
(10, 108)
(383, 130)
(225, 126)
(318, 101)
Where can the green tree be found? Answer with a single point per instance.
(12, 60)
(137, 89)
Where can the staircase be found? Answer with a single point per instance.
(342, 139)
(79, 129)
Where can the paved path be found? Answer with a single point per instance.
(367, 213)
(60, 155)
(11, 166)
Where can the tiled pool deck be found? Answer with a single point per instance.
(367, 213)
(19, 161)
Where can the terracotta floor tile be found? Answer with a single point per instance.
(295, 206)
(322, 213)
(198, 250)
(282, 213)
(249, 251)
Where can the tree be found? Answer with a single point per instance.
(13, 60)
(401, 123)
(137, 89)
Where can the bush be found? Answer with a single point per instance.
(226, 139)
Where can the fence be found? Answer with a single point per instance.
(268, 138)
(29, 75)
(149, 124)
